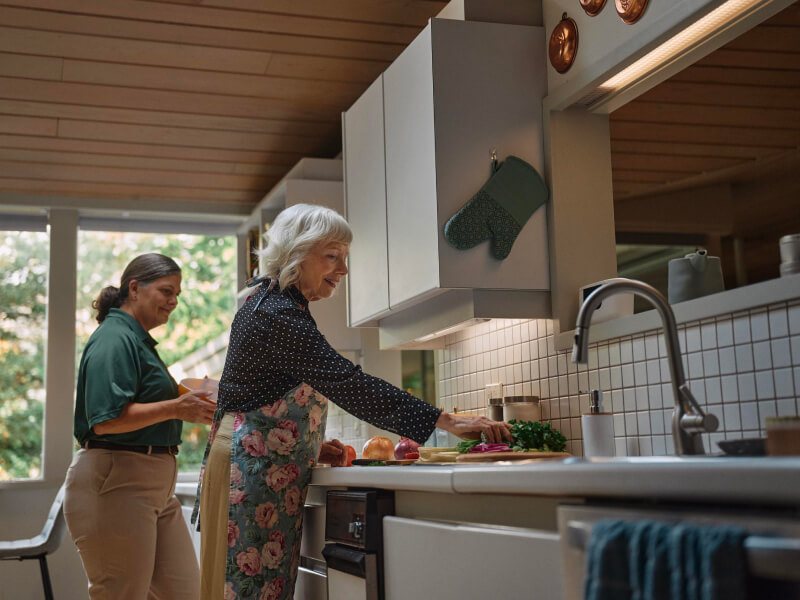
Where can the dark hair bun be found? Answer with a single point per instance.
(107, 299)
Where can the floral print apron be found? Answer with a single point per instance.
(273, 451)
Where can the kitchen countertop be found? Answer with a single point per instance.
(720, 479)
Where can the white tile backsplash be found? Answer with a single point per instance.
(743, 367)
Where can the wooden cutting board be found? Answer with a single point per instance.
(494, 456)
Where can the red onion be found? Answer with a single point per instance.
(484, 447)
(403, 447)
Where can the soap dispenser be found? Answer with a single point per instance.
(598, 428)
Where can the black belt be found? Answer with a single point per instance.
(173, 450)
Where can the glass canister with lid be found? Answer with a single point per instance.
(521, 408)
(496, 409)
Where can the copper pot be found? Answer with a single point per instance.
(563, 44)
(593, 7)
(630, 11)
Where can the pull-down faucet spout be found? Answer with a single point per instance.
(688, 419)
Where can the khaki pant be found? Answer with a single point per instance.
(214, 504)
(124, 518)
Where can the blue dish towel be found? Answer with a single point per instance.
(651, 560)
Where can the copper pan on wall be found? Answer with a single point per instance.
(630, 11)
(563, 44)
(592, 7)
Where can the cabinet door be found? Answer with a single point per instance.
(426, 559)
(411, 173)
(365, 205)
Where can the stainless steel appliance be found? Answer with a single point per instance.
(772, 548)
(354, 548)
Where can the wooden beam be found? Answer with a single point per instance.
(237, 20)
(740, 61)
(169, 101)
(143, 52)
(167, 119)
(132, 192)
(177, 136)
(32, 67)
(691, 134)
(199, 155)
(724, 95)
(202, 36)
(140, 162)
(335, 94)
(152, 177)
(141, 207)
(678, 149)
(708, 116)
(28, 125)
(404, 12)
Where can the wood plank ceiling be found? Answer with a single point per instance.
(199, 104)
(716, 148)
(205, 104)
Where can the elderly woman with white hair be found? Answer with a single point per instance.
(269, 425)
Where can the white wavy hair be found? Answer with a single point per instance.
(293, 234)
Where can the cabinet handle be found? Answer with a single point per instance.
(767, 556)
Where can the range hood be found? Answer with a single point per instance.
(426, 325)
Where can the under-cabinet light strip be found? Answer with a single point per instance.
(672, 48)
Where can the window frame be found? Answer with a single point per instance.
(57, 439)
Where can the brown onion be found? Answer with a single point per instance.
(378, 448)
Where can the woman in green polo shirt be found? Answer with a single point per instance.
(120, 505)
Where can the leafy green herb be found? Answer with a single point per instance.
(466, 446)
(377, 463)
(532, 436)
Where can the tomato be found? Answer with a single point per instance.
(412, 455)
(351, 455)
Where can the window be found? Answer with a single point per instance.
(24, 260)
(193, 342)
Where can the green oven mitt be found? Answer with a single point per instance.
(499, 210)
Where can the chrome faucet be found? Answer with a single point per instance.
(688, 419)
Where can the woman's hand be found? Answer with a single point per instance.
(333, 452)
(195, 407)
(471, 428)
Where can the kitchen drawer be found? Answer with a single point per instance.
(475, 561)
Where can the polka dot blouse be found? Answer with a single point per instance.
(275, 345)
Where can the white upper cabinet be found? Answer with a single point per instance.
(365, 180)
(417, 147)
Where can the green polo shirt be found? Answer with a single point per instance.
(120, 365)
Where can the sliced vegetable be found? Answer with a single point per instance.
(483, 447)
(466, 446)
(412, 455)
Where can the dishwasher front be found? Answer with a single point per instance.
(354, 543)
(772, 547)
